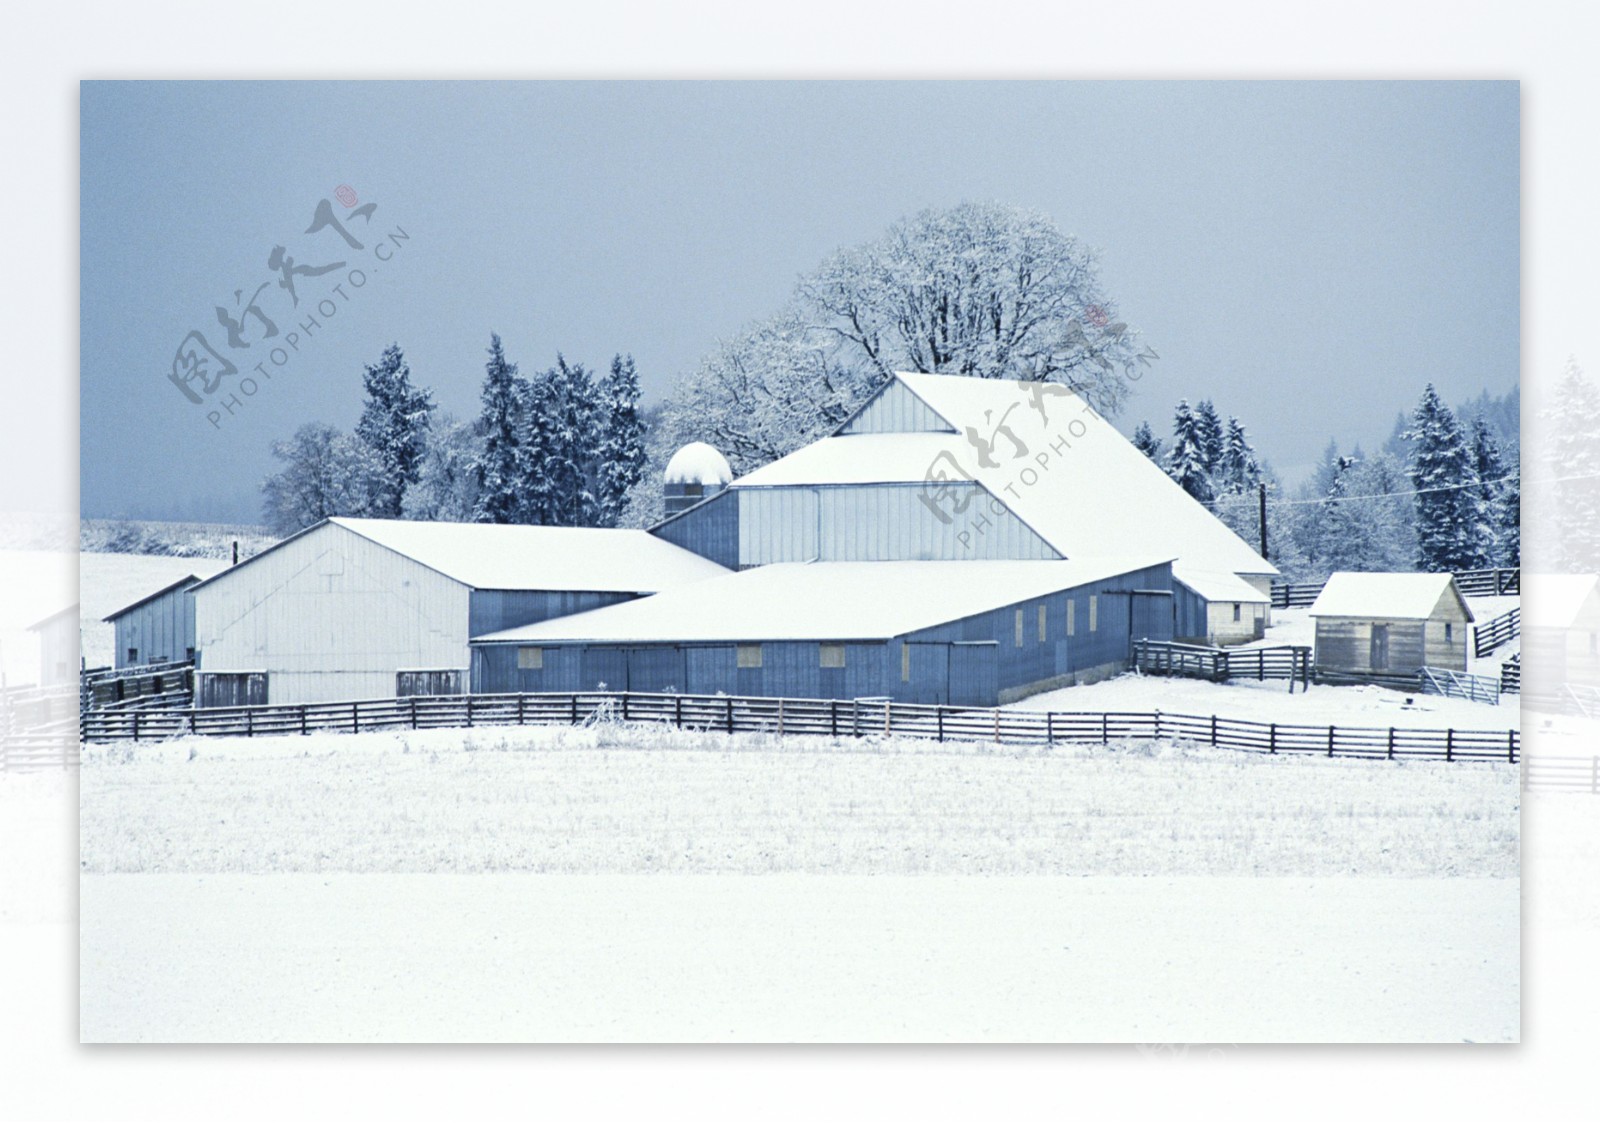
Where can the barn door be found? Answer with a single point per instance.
(1378, 657)
(409, 683)
(245, 689)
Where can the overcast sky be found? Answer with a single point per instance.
(1306, 254)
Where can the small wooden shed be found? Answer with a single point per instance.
(1561, 627)
(58, 646)
(158, 628)
(1391, 623)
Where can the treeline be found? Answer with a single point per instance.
(562, 447)
(1449, 501)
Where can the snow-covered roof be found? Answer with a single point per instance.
(1555, 600)
(698, 463)
(180, 583)
(1218, 586)
(823, 601)
(1039, 449)
(555, 558)
(1385, 596)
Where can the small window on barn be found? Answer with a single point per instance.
(1094, 612)
(530, 658)
(1449, 631)
(1019, 628)
(749, 656)
(831, 655)
(1072, 617)
(189, 654)
(1236, 614)
(133, 654)
(1044, 624)
(905, 662)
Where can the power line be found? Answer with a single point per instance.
(1394, 494)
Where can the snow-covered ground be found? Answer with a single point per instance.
(549, 884)
(108, 582)
(640, 799)
(524, 957)
(1359, 706)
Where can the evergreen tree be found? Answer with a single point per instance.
(620, 449)
(1237, 469)
(498, 473)
(573, 465)
(1449, 507)
(1186, 462)
(1147, 442)
(1210, 434)
(1344, 532)
(394, 425)
(1574, 422)
(1508, 522)
(1490, 466)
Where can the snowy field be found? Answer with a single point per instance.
(108, 582)
(549, 884)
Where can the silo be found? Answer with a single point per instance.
(695, 472)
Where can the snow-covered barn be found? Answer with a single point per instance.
(158, 628)
(952, 632)
(943, 467)
(59, 642)
(363, 608)
(1391, 623)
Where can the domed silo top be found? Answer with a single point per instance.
(695, 472)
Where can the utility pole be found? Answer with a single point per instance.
(1262, 493)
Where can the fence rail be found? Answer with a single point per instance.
(1219, 664)
(801, 716)
(1496, 633)
(1456, 684)
(1471, 582)
(1511, 675)
(1581, 774)
(169, 684)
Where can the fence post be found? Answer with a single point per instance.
(1330, 740)
(1449, 743)
(303, 729)
(414, 712)
(1272, 737)
(1158, 725)
(677, 711)
(780, 717)
(522, 709)
(574, 720)
(730, 714)
(624, 705)
(1511, 746)
(469, 711)
(1391, 742)
(939, 710)
(1105, 729)
(1213, 731)
(135, 725)
(249, 724)
(833, 716)
(997, 726)
(355, 717)
(1050, 729)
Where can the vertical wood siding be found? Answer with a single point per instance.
(897, 410)
(161, 630)
(710, 529)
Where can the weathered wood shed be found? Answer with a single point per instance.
(1561, 628)
(373, 608)
(960, 633)
(59, 643)
(1391, 623)
(1217, 608)
(158, 628)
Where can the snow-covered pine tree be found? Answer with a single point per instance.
(1344, 530)
(1147, 442)
(1574, 422)
(394, 424)
(1209, 424)
(1449, 504)
(1186, 462)
(1508, 518)
(1490, 466)
(620, 449)
(498, 472)
(559, 441)
(1237, 468)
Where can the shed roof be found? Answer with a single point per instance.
(1060, 467)
(1555, 600)
(1218, 586)
(1386, 596)
(554, 558)
(823, 601)
(180, 583)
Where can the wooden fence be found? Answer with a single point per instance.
(801, 716)
(1578, 774)
(1511, 675)
(1456, 684)
(1471, 582)
(1496, 633)
(1219, 664)
(154, 684)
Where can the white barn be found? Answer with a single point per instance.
(371, 608)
